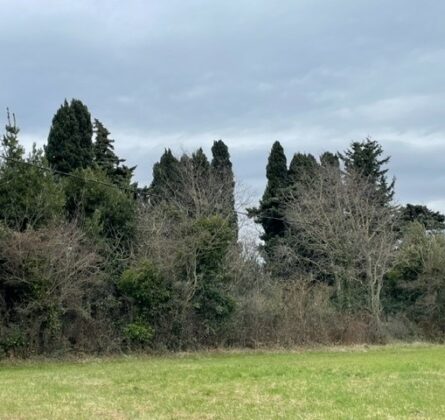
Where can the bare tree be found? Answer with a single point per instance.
(350, 233)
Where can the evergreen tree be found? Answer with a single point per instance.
(329, 159)
(29, 195)
(270, 212)
(106, 159)
(365, 159)
(201, 165)
(221, 168)
(301, 168)
(70, 138)
(166, 177)
(431, 220)
(12, 150)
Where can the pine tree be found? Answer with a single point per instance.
(12, 150)
(106, 159)
(270, 213)
(223, 178)
(365, 159)
(70, 138)
(29, 196)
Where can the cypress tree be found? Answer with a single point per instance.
(365, 159)
(201, 165)
(270, 212)
(301, 168)
(329, 159)
(165, 177)
(70, 143)
(223, 178)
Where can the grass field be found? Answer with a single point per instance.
(376, 382)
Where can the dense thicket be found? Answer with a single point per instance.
(90, 262)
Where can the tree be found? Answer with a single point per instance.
(416, 283)
(301, 168)
(165, 178)
(29, 195)
(431, 220)
(106, 159)
(351, 234)
(70, 138)
(330, 159)
(364, 158)
(106, 211)
(270, 213)
(221, 169)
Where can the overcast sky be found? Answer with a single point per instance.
(314, 74)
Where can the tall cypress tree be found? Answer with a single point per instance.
(165, 177)
(365, 158)
(270, 213)
(224, 180)
(70, 143)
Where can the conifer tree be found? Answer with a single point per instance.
(365, 158)
(12, 150)
(201, 164)
(301, 168)
(329, 159)
(270, 211)
(70, 138)
(430, 219)
(165, 177)
(106, 159)
(29, 196)
(221, 168)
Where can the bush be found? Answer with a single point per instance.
(53, 291)
(138, 334)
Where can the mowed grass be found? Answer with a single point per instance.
(376, 382)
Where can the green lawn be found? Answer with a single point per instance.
(379, 382)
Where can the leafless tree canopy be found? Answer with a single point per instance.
(351, 234)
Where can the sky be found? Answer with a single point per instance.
(313, 74)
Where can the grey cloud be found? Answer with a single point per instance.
(312, 73)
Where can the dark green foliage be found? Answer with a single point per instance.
(211, 239)
(138, 334)
(224, 180)
(201, 166)
(330, 159)
(106, 211)
(365, 158)
(29, 196)
(70, 143)
(301, 168)
(416, 285)
(145, 285)
(107, 160)
(431, 220)
(270, 211)
(166, 178)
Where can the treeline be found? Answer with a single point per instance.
(92, 262)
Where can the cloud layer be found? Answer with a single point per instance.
(313, 74)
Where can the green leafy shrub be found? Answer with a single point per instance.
(138, 334)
